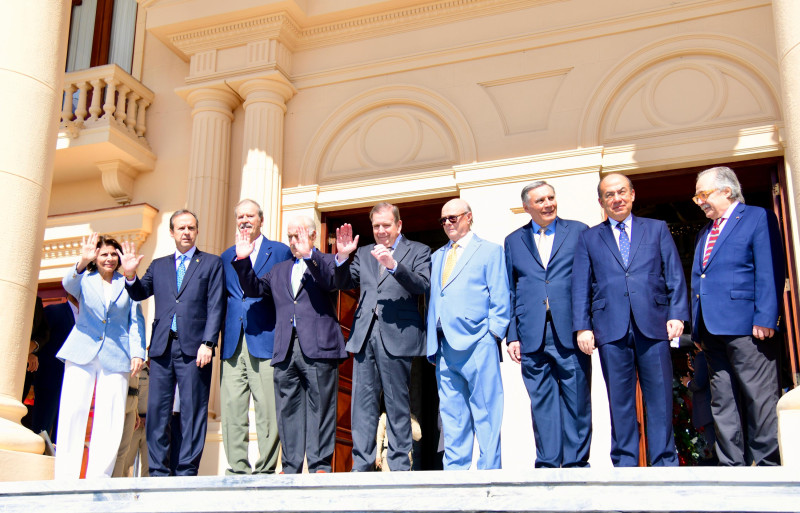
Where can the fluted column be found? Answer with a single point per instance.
(33, 36)
(262, 146)
(209, 163)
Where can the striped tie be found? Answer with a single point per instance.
(712, 238)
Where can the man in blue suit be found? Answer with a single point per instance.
(308, 344)
(247, 341)
(188, 318)
(628, 300)
(468, 317)
(556, 373)
(737, 282)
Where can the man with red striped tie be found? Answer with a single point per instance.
(737, 282)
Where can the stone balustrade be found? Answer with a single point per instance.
(103, 95)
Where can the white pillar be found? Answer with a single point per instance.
(209, 163)
(33, 35)
(262, 147)
(786, 14)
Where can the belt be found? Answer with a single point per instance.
(133, 391)
(173, 335)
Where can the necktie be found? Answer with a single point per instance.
(544, 252)
(181, 274)
(297, 275)
(624, 243)
(383, 267)
(449, 263)
(712, 238)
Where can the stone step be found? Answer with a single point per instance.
(697, 489)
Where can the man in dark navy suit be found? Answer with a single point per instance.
(247, 345)
(628, 300)
(189, 291)
(737, 282)
(308, 344)
(556, 373)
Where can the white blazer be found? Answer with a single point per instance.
(114, 333)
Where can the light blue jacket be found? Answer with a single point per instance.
(475, 304)
(115, 333)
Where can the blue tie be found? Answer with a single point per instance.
(624, 243)
(181, 274)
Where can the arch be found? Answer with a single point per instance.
(682, 84)
(391, 130)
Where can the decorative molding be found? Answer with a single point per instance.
(63, 234)
(727, 64)
(524, 103)
(118, 178)
(422, 111)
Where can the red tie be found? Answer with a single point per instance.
(712, 238)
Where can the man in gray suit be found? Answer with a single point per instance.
(387, 333)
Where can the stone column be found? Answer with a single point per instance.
(786, 14)
(33, 35)
(262, 147)
(209, 163)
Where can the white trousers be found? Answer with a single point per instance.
(110, 391)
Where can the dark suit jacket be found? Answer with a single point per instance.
(393, 296)
(313, 311)
(605, 292)
(742, 283)
(531, 283)
(199, 305)
(255, 315)
(61, 321)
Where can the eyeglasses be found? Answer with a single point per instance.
(702, 196)
(451, 219)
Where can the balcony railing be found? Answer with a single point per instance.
(103, 130)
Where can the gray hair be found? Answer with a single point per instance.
(534, 185)
(725, 178)
(306, 221)
(248, 201)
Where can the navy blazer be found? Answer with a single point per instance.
(313, 310)
(255, 315)
(393, 296)
(199, 305)
(605, 292)
(742, 283)
(531, 284)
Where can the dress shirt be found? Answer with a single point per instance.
(549, 236)
(189, 254)
(628, 222)
(256, 249)
(722, 223)
(462, 243)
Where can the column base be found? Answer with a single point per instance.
(23, 466)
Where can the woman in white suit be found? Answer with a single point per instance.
(104, 348)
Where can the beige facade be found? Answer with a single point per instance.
(315, 106)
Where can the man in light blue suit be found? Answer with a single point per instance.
(247, 343)
(737, 282)
(556, 373)
(467, 318)
(628, 300)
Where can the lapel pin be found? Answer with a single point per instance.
(197, 260)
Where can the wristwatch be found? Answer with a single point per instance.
(208, 344)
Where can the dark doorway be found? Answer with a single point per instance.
(420, 223)
(666, 195)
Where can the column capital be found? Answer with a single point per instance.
(216, 97)
(271, 87)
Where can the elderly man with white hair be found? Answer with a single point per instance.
(308, 344)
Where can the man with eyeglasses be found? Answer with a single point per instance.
(628, 300)
(468, 316)
(737, 281)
